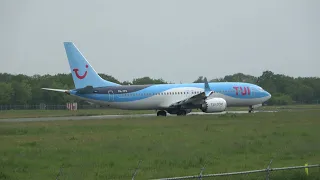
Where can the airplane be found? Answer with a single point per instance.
(177, 99)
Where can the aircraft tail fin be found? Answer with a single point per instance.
(82, 72)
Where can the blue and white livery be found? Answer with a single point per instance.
(177, 99)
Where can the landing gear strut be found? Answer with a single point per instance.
(250, 109)
(161, 113)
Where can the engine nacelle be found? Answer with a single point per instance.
(214, 105)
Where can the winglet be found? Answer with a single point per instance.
(207, 89)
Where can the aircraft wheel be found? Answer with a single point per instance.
(161, 113)
(181, 113)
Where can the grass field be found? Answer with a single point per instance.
(90, 112)
(167, 146)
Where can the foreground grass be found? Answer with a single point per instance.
(167, 146)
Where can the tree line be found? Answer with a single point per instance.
(22, 89)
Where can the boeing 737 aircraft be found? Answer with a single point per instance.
(177, 99)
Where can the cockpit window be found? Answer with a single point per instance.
(260, 89)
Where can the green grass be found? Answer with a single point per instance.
(58, 113)
(167, 146)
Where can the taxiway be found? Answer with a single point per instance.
(110, 116)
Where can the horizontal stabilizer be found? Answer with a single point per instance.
(57, 90)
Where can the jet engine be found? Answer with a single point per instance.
(214, 105)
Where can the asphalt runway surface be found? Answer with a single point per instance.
(111, 116)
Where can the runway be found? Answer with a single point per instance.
(64, 118)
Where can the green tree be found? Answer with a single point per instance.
(240, 77)
(109, 78)
(21, 92)
(199, 80)
(280, 99)
(147, 80)
(5, 93)
(126, 83)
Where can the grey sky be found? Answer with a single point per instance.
(176, 40)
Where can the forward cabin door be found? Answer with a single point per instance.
(111, 96)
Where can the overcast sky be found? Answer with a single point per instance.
(177, 40)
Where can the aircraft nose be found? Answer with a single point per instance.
(268, 94)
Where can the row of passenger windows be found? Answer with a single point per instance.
(172, 93)
(164, 93)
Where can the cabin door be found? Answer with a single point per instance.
(111, 95)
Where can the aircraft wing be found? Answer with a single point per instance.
(191, 100)
(196, 99)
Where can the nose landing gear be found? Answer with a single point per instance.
(250, 109)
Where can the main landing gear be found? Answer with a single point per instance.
(161, 113)
(250, 109)
(180, 112)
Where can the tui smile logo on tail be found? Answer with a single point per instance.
(76, 70)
